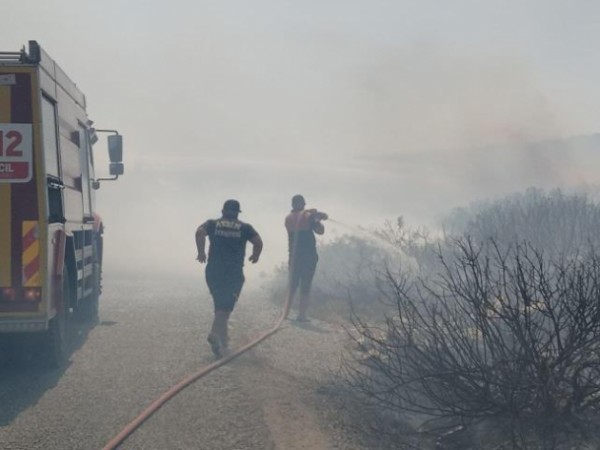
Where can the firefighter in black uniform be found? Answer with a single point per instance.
(224, 269)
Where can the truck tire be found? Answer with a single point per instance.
(55, 339)
(87, 309)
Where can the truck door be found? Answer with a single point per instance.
(88, 217)
(54, 185)
(51, 155)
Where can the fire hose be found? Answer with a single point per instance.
(173, 391)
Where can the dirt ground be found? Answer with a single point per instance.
(282, 395)
(294, 378)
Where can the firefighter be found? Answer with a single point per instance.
(302, 225)
(224, 269)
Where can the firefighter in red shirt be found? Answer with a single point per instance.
(302, 225)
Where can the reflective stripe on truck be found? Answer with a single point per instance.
(31, 254)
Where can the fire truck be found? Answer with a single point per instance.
(50, 232)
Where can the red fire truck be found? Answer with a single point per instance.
(50, 232)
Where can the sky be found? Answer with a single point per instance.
(372, 109)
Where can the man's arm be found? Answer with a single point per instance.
(257, 246)
(317, 225)
(201, 244)
(318, 228)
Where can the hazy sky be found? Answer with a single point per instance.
(260, 100)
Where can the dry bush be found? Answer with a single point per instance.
(557, 222)
(504, 342)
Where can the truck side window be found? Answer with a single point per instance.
(50, 149)
(49, 137)
(55, 205)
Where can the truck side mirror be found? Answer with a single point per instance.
(115, 148)
(115, 153)
(117, 168)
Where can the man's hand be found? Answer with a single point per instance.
(201, 244)
(257, 246)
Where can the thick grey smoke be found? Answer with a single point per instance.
(372, 110)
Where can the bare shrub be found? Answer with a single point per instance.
(557, 222)
(503, 340)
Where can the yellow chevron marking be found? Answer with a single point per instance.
(31, 254)
(28, 225)
(34, 281)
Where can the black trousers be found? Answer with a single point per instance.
(225, 285)
(302, 271)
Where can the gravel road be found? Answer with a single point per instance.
(151, 334)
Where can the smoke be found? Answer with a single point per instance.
(260, 103)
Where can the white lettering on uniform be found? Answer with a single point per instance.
(229, 224)
(228, 233)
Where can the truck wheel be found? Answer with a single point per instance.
(55, 339)
(87, 309)
(95, 297)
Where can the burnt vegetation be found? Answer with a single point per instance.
(486, 336)
(494, 341)
(500, 340)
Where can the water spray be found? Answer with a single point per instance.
(373, 237)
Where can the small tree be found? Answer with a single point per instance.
(502, 336)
